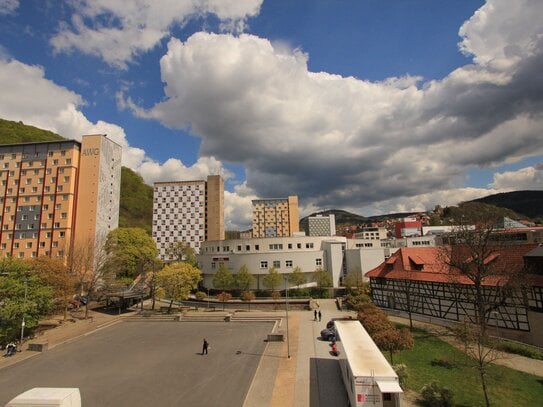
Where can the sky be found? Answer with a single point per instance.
(368, 106)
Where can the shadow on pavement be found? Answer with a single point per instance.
(326, 387)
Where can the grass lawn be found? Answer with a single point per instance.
(507, 387)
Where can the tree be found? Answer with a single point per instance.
(176, 281)
(248, 296)
(272, 280)
(354, 281)
(297, 277)
(130, 248)
(223, 279)
(182, 252)
(58, 277)
(224, 297)
(23, 293)
(483, 277)
(393, 340)
(322, 278)
(244, 279)
(92, 267)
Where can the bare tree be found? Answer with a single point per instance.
(89, 262)
(486, 280)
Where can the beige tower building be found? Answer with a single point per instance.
(57, 194)
(188, 211)
(277, 217)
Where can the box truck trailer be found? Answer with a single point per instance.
(369, 379)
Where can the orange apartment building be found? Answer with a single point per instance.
(54, 194)
(276, 217)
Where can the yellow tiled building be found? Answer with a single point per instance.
(276, 217)
(53, 194)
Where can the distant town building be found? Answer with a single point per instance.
(408, 227)
(187, 211)
(321, 225)
(58, 194)
(275, 217)
(373, 233)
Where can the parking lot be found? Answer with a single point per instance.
(142, 364)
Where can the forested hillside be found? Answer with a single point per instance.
(17, 132)
(136, 207)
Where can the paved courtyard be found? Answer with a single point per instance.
(149, 363)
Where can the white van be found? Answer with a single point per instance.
(47, 397)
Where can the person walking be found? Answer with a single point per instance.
(205, 346)
(315, 314)
(320, 315)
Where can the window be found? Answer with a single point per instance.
(276, 264)
(68, 161)
(263, 264)
(276, 246)
(257, 247)
(309, 245)
(63, 215)
(55, 244)
(288, 263)
(248, 247)
(299, 245)
(42, 244)
(29, 245)
(57, 207)
(318, 262)
(57, 224)
(213, 265)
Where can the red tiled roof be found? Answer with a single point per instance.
(406, 264)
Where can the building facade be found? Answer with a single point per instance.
(372, 233)
(57, 194)
(282, 253)
(187, 211)
(417, 281)
(276, 217)
(407, 227)
(321, 225)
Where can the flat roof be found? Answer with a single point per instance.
(363, 354)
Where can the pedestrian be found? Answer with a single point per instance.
(315, 313)
(205, 347)
(320, 315)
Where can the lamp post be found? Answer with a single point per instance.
(23, 321)
(286, 306)
(207, 298)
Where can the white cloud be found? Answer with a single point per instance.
(238, 208)
(502, 32)
(117, 31)
(529, 178)
(29, 97)
(8, 6)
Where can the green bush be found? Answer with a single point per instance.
(316, 292)
(520, 349)
(435, 395)
(401, 371)
(447, 364)
(200, 295)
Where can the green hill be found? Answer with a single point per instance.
(18, 132)
(136, 207)
(527, 203)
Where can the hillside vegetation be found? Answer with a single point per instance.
(17, 132)
(136, 206)
(528, 203)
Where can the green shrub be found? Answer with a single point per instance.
(520, 349)
(200, 295)
(435, 395)
(401, 371)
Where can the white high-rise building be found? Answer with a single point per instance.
(187, 211)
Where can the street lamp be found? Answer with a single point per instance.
(23, 322)
(286, 306)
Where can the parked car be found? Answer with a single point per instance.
(328, 334)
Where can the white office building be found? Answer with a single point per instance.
(283, 253)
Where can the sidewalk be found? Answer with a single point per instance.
(68, 330)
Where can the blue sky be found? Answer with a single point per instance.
(362, 105)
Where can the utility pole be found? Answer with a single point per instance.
(286, 306)
(23, 322)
